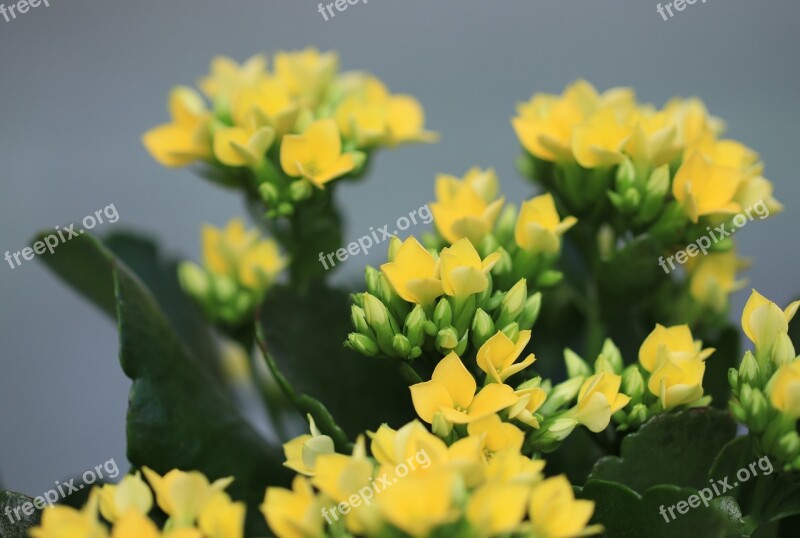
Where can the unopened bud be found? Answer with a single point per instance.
(482, 328)
(447, 340)
(443, 314)
(576, 366)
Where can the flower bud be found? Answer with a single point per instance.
(300, 190)
(562, 394)
(512, 331)
(373, 279)
(362, 344)
(462, 344)
(447, 340)
(626, 176)
(414, 326)
(193, 280)
(224, 288)
(443, 314)
(576, 366)
(441, 426)
(401, 345)
(483, 328)
(738, 411)
(269, 193)
(561, 428)
(758, 412)
(530, 313)
(733, 379)
(633, 383)
(748, 370)
(788, 446)
(549, 278)
(782, 350)
(611, 352)
(513, 303)
(394, 245)
(638, 415)
(359, 319)
(602, 364)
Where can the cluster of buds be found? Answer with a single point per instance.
(638, 175)
(239, 266)
(766, 386)
(283, 133)
(426, 303)
(528, 240)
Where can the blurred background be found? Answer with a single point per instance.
(80, 82)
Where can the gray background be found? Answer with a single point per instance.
(80, 82)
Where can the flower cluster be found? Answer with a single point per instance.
(643, 175)
(415, 483)
(766, 387)
(195, 508)
(285, 131)
(238, 268)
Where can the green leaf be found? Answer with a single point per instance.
(303, 333)
(84, 267)
(10, 525)
(180, 414)
(677, 449)
(626, 514)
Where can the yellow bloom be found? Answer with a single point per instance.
(227, 76)
(539, 228)
(307, 74)
(451, 392)
(186, 139)
(497, 435)
(316, 154)
(412, 273)
(674, 342)
(785, 389)
(599, 141)
(302, 452)
(462, 210)
(419, 503)
(135, 524)
(692, 120)
(405, 121)
(555, 513)
(293, 513)
(183, 495)
(496, 357)
(61, 521)
(462, 271)
(266, 103)
(239, 146)
(529, 401)
(222, 518)
(677, 381)
(704, 187)
(240, 254)
(497, 508)
(756, 193)
(391, 448)
(483, 182)
(598, 399)
(713, 278)
(653, 139)
(130, 494)
(544, 125)
(728, 153)
(763, 321)
(510, 466)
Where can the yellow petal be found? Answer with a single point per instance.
(456, 379)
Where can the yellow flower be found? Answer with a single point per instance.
(61, 521)
(227, 76)
(529, 401)
(186, 139)
(692, 120)
(496, 357)
(704, 187)
(510, 466)
(266, 103)
(653, 140)
(599, 141)
(544, 125)
(307, 74)
(405, 121)
(130, 494)
(674, 342)
(763, 321)
(462, 210)
(222, 518)
(728, 153)
(785, 389)
(598, 399)
(240, 254)
(451, 392)
(462, 271)
(419, 503)
(302, 452)
(135, 524)
(240, 146)
(316, 154)
(293, 513)
(412, 273)
(497, 508)
(539, 228)
(183, 495)
(497, 435)
(756, 193)
(555, 513)
(713, 278)
(677, 381)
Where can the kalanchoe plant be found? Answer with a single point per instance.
(432, 420)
